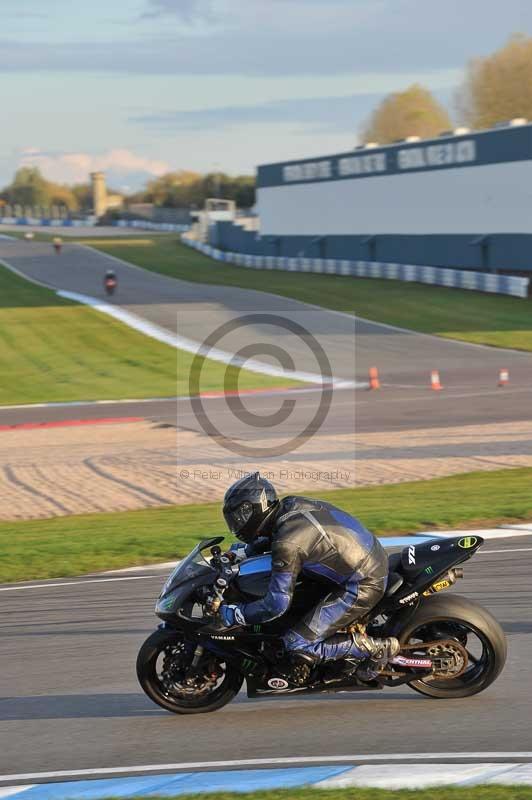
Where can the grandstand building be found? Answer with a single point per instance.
(462, 200)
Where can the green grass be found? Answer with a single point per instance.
(52, 349)
(80, 544)
(453, 313)
(354, 793)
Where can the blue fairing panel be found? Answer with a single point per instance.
(254, 576)
(253, 566)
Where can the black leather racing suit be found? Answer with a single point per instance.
(318, 539)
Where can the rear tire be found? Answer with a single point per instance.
(461, 617)
(150, 680)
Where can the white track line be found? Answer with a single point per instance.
(76, 583)
(509, 550)
(75, 403)
(488, 534)
(196, 348)
(265, 762)
(174, 398)
(20, 274)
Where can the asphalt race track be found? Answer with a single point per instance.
(390, 409)
(69, 697)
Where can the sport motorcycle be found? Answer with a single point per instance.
(450, 645)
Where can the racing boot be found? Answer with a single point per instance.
(357, 653)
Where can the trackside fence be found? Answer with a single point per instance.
(437, 276)
(146, 225)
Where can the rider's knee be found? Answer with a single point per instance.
(295, 643)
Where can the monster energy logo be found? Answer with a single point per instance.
(256, 629)
(247, 663)
(429, 570)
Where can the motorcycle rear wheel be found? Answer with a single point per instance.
(149, 677)
(461, 618)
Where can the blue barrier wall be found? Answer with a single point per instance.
(502, 252)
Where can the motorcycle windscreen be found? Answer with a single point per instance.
(193, 566)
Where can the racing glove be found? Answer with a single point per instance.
(236, 553)
(231, 615)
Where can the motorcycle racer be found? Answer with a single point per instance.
(317, 539)
(110, 281)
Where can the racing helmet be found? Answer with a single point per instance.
(249, 507)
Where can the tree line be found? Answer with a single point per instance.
(181, 189)
(30, 189)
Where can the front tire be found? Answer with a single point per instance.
(468, 622)
(161, 644)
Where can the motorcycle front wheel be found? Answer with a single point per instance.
(473, 627)
(161, 665)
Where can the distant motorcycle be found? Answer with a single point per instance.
(110, 282)
(451, 646)
(58, 244)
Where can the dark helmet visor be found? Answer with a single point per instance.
(236, 518)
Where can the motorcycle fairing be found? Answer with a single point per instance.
(189, 574)
(440, 554)
(254, 575)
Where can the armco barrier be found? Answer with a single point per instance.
(48, 222)
(168, 227)
(438, 276)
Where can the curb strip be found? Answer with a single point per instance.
(386, 776)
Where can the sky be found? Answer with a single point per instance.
(141, 87)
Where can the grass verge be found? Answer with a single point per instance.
(52, 349)
(74, 545)
(356, 793)
(453, 313)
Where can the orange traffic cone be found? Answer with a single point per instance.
(374, 382)
(435, 384)
(504, 377)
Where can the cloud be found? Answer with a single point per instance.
(187, 10)
(327, 113)
(321, 114)
(293, 37)
(122, 167)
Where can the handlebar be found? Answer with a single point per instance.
(222, 562)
